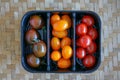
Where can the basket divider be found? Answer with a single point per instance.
(48, 41)
(74, 42)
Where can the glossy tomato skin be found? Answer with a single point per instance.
(67, 52)
(55, 43)
(31, 35)
(55, 55)
(39, 49)
(64, 63)
(89, 61)
(54, 18)
(92, 32)
(91, 49)
(60, 34)
(88, 20)
(81, 29)
(60, 25)
(68, 19)
(80, 53)
(65, 41)
(33, 61)
(36, 22)
(84, 41)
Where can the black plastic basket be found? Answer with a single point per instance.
(45, 34)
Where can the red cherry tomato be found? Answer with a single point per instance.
(92, 32)
(88, 20)
(84, 41)
(91, 49)
(80, 53)
(81, 29)
(89, 61)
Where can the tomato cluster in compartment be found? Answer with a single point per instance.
(33, 40)
(86, 42)
(61, 50)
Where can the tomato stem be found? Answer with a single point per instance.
(36, 40)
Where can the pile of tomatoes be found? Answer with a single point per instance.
(86, 41)
(60, 42)
(32, 38)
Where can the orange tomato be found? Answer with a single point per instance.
(55, 55)
(68, 19)
(60, 25)
(66, 52)
(64, 63)
(55, 43)
(59, 34)
(54, 18)
(66, 41)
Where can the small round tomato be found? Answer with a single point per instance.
(60, 25)
(91, 49)
(67, 52)
(31, 36)
(39, 49)
(80, 53)
(55, 55)
(64, 63)
(89, 61)
(55, 43)
(36, 22)
(81, 29)
(84, 41)
(33, 61)
(88, 20)
(68, 19)
(54, 18)
(92, 32)
(65, 42)
(59, 34)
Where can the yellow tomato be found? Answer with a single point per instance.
(55, 55)
(68, 19)
(60, 25)
(67, 52)
(55, 43)
(64, 63)
(66, 41)
(54, 18)
(59, 34)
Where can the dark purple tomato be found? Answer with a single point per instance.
(31, 36)
(36, 22)
(39, 49)
(33, 61)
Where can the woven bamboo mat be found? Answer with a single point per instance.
(11, 12)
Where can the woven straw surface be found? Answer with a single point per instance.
(11, 12)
